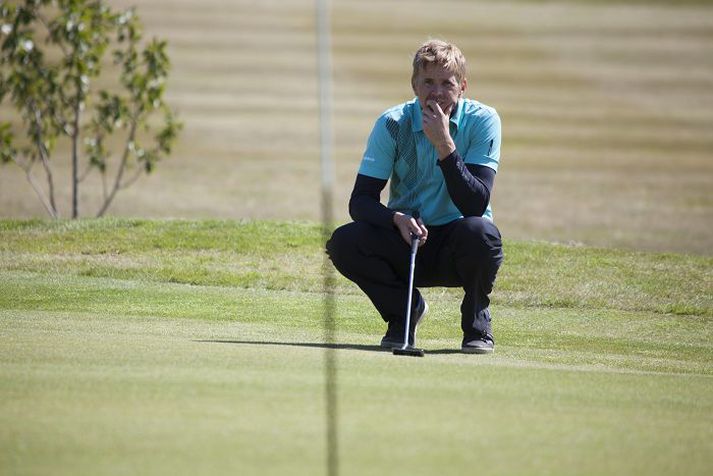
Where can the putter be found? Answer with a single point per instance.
(407, 349)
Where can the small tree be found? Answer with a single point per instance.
(52, 53)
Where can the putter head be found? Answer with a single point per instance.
(409, 351)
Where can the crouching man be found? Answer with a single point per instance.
(441, 152)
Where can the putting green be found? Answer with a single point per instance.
(160, 378)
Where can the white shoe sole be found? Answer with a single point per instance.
(422, 316)
(477, 350)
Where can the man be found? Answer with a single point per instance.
(441, 152)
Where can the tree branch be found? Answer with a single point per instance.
(44, 156)
(50, 181)
(132, 180)
(36, 187)
(46, 25)
(120, 172)
(104, 185)
(84, 174)
(61, 121)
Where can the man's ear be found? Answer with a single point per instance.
(463, 87)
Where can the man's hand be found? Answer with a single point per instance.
(407, 225)
(436, 127)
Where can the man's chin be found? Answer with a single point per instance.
(444, 107)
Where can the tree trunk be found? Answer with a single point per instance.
(75, 157)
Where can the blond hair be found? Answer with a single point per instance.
(442, 53)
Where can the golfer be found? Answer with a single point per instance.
(441, 152)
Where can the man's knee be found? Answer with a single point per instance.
(478, 228)
(339, 242)
(344, 240)
(480, 236)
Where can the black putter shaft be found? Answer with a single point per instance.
(406, 349)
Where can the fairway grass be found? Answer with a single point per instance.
(122, 353)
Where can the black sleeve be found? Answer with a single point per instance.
(468, 185)
(365, 202)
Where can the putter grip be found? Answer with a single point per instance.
(414, 238)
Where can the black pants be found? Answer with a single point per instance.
(463, 253)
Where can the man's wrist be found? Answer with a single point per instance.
(395, 215)
(445, 150)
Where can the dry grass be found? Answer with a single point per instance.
(607, 112)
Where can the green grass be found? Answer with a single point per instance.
(288, 256)
(196, 347)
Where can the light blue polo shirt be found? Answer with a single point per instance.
(398, 149)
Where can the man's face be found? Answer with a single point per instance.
(436, 83)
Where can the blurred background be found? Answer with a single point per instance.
(607, 112)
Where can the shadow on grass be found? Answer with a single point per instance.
(321, 345)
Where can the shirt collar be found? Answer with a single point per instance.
(417, 124)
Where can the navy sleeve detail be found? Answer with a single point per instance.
(365, 203)
(469, 185)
